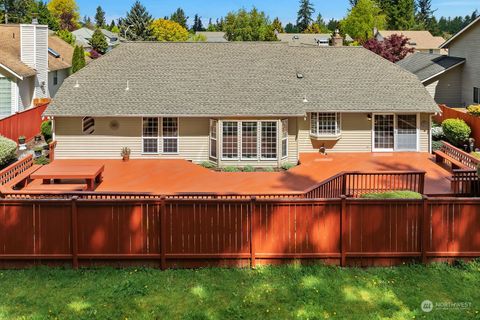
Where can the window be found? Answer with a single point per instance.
(230, 139)
(324, 124)
(406, 132)
(88, 125)
(269, 140)
(476, 95)
(284, 138)
(5, 96)
(213, 139)
(55, 78)
(170, 135)
(150, 135)
(249, 140)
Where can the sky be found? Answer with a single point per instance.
(286, 10)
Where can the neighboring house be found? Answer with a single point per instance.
(239, 103)
(320, 39)
(83, 36)
(33, 64)
(453, 80)
(420, 41)
(213, 36)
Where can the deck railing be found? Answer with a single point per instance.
(460, 155)
(465, 182)
(13, 170)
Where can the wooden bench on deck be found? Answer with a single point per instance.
(57, 171)
(458, 159)
(23, 178)
(60, 187)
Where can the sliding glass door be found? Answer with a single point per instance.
(395, 132)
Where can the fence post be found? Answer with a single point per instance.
(74, 228)
(425, 229)
(163, 233)
(421, 183)
(343, 232)
(253, 221)
(344, 184)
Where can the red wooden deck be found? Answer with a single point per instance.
(174, 176)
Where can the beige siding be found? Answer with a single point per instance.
(107, 143)
(424, 132)
(356, 135)
(447, 88)
(467, 46)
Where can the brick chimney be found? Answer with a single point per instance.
(337, 40)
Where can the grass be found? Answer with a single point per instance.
(393, 195)
(285, 292)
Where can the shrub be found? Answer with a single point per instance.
(208, 165)
(288, 165)
(268, 169)
(42, 160)
(474, 110)
(248, 169)
(66, 36)
(46, 129)
(437, 133)
(393, 195)
(456, 131)
(94, 54)
(8, 151)
(436, 145)
(231, 169)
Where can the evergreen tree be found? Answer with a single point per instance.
(304, 15)
(45, 17)
(100, 18)
(402, 15)
(353, 3)
(87, 23)
(78, 59)
(290, 28)
(211, 26)
(424, 17)
(277, 25)
(321, 23)
(112, 25)
(332, 24)
(137, 22)
(197, 24)
(99, 42)
(179, 17)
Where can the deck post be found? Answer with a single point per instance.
(253, 221)
(425, 227)
(74, 230)
(163, 233)
(421, 183)
(343, 231)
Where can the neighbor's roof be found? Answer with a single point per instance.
(10, 52)
(307, 38)
(418, 39)
(238, 79)
(456, 35)
(427, 66)
(213, 36)
(83, 36)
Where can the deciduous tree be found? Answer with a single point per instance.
(393, 48)
(66, 12)
(167, 30)
(361, 20)
(248, 26)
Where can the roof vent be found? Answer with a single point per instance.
(296, 37)
(54, 53)
(299, 75)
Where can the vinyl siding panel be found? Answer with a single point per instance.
(447, 88)
(467, 46)
(41, 62)
(424, 132)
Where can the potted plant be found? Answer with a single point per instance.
(125, 153)
(22, 143)
(38, 151)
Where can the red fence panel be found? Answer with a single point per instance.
(472, 121)
(26, 123)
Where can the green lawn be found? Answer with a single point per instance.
(286, 292)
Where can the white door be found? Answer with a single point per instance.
(383, 132)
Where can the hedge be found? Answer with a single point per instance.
(8, 151)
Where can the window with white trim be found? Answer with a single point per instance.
(269, 140)
(284, 138)
(170, 135)
(55, 77)
(150, 135)
(213, 138)
(230, 140)
(324, 123)
(88, 125)
(249, 139)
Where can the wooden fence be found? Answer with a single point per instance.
(472, 121)
(199, 232)
(26, 123)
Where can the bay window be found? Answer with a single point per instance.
(324, 124)
(156, 130)
(249, 140)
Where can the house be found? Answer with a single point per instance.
(212, 36)
(33, 64)
(239, 103)
(420, 41)
(454, 79)
(83, 36)
(320, 39)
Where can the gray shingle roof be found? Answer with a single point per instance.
(426, 66)
(238, 79)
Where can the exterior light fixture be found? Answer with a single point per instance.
(369, 116)
(305, 99)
